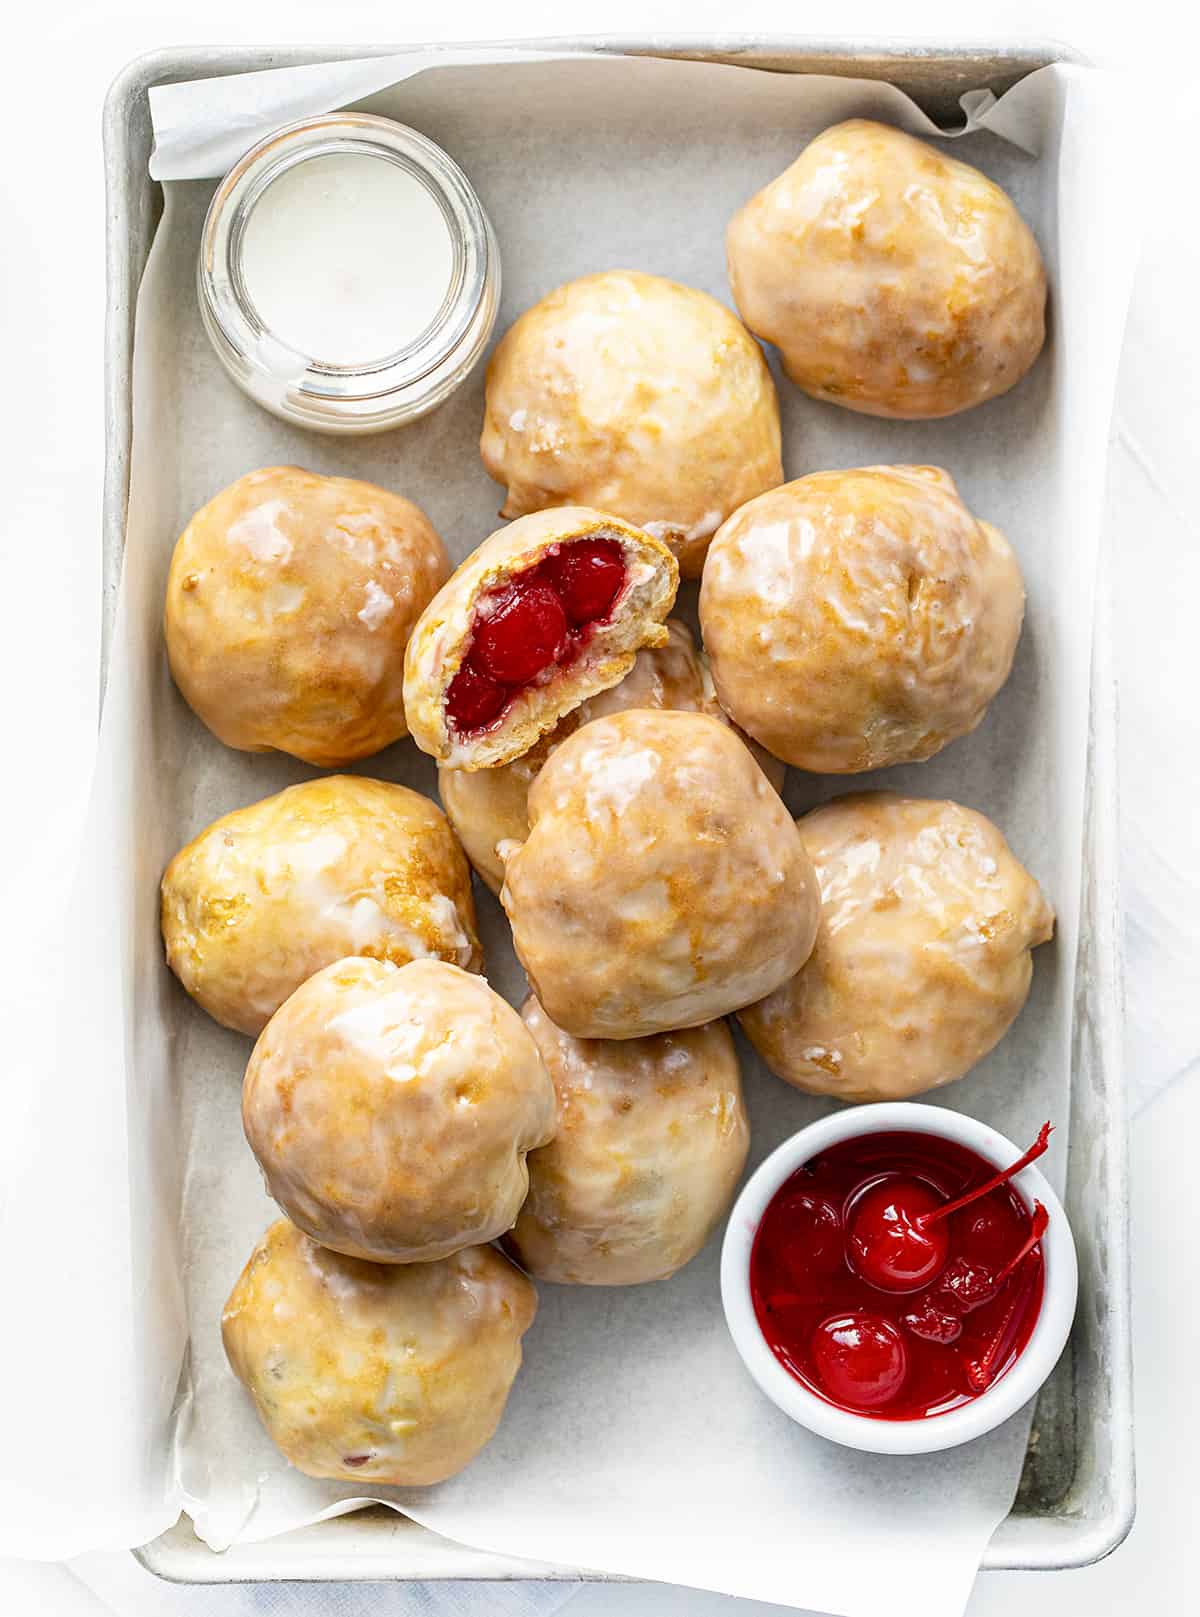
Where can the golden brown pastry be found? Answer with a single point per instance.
(269, 894)
(893, 280)
(861, 618)
(290, 601)
(922, 959)
(371, 1373)
(662, 884)
(488, 807)
(637, 395)
(652, 1139)
(547, 612)
(390, 1109)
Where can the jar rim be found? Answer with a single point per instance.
(275, 370)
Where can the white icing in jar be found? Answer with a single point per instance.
(348, 276)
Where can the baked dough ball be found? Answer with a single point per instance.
(662, 884)
(391, 1107)
(861, 618)
(636, 395)
(652, 1139)
(893, 280)
(922, 959)
(488, 807)
(374, 1374)
(290, 601)
(269, 894)
(545, 613)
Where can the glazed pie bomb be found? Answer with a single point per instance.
(922, 960)
(391, 1108)
(546, 613)
(652, 1139)
(290, 601)
(893, 280)
(367, 1373)
(860, 618)
(340, 866)
(489, 807)
(633, 394)
(662, 884)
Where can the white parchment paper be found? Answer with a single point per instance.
(634, 1442)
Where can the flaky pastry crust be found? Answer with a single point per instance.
(651, 1141)
(633, 394)
(922, 959)
(391, 1108)
(443, 636)
(662, 884)
(269, 894)
(893, 280)
(290, 601)
(376, 1374)
(860, 618)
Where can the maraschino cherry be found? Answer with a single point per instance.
(860, 1358)
(897, 1238)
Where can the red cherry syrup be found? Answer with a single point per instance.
(899, 1275)
(535, 622)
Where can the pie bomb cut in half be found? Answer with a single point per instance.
(547, 612)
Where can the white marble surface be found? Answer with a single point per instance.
(51, 320)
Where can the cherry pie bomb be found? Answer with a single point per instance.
(376, 1374)
(547, 612)
(290, 601)
(637, 395)
(391, 1109)
(489, 808)
(923, 955)
(893, 280)
(269, 894)
(861, 618)
(662, 884)
(651, 1141)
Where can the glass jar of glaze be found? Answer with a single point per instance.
(348, 276)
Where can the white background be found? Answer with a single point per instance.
(59, 60)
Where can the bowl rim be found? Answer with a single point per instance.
(935, 1433)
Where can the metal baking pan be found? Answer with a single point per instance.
(1075, 1502)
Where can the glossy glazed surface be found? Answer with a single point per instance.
(662, 884)
(894, 280)
(635, 395)
(290, 602)
(269, 894)
(391, 1108)
(651, 1140)
(489, 807)
(922, 957)
(897, 1347)
(376, 1374)
(861, 618)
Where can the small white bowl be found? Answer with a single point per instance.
(935, 1432)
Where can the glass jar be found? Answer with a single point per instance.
(348, 277)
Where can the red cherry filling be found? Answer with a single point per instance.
(473, 699)
(887, 1242)
(541, 618)
(525, 633)
(587, 577)
(860, 1359)
(933, 1324)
